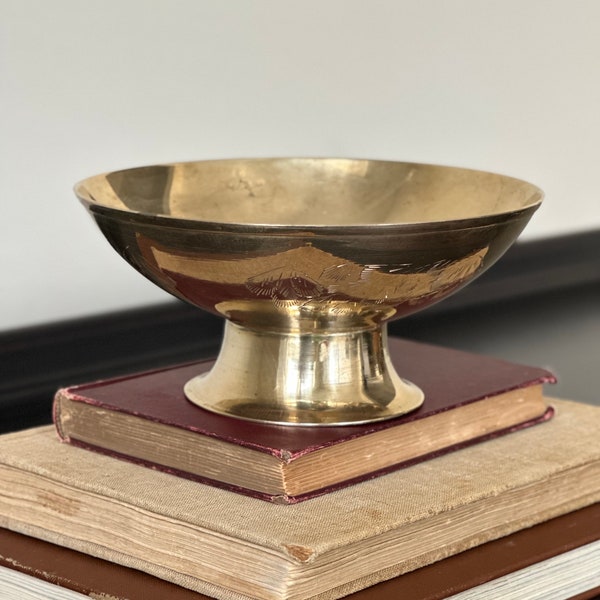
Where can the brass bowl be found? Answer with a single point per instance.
(308, 259)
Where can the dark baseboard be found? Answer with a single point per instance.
(38, 360)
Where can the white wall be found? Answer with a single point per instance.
(87, 86)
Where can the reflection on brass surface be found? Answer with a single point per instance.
(309, 273)
(308, 259)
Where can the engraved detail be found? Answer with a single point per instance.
(274, 284)
(308, 273)
(244, 183)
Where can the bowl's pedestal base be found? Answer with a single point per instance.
(342, 378)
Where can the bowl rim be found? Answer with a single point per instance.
(177, 222)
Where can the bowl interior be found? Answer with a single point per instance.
(309, 192)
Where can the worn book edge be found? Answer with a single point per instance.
(465, 571)
(266, 477)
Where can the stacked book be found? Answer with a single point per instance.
(489, 490)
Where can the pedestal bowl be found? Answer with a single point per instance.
(308, 260)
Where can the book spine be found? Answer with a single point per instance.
(58, 416)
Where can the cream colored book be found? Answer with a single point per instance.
(235, 547)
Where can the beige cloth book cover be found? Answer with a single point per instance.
(236, 547)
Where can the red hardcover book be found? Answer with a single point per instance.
(145, 418)
(548, 558)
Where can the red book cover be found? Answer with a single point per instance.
(449, 379)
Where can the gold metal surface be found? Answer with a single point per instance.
(308, 260)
